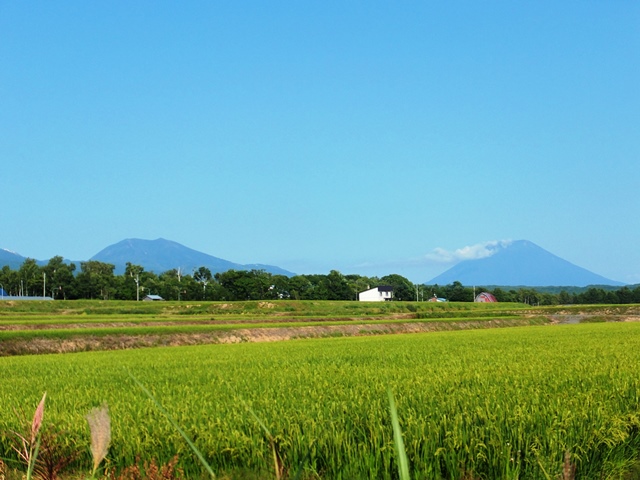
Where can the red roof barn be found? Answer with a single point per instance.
(485, 297)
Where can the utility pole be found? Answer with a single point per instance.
(44, 284)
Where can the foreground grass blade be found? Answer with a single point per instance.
(34, 457)
(175, 425)
(276, 462)
(403, 462)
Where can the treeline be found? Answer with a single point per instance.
(97, 280)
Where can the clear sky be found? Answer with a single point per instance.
(364, 136)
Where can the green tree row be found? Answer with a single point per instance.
(97, 280)
(456, 292)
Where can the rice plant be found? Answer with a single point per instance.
(497, 404)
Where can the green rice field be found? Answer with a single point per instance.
(476, 404)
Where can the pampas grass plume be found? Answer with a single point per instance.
(37, 419)
(100, 426)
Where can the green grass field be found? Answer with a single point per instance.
(490, 404)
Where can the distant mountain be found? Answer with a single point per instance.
(161, 255)
(12, 259)
(521, 263)
(154, 255)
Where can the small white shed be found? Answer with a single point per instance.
(377, 294)
(153, 298)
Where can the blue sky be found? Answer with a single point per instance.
(367, 137)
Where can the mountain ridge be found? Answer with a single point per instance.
(161, 255)
(518, 263)
(156, 256)
(523, 263)
(12, 259)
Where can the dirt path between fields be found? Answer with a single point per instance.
(164, 323)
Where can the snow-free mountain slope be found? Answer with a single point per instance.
(520, 263)
(161, 255)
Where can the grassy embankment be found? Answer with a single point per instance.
(46, 327)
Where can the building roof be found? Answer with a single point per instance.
(153, 297)
(23, 297)
(381, 288)
(485, 297)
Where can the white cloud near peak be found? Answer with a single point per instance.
(470, 252)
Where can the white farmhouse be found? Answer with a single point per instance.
(376, 294)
